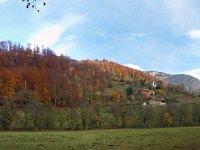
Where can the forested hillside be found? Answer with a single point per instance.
(41, 90)
(57, 79)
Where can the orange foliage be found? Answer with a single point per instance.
(58, 79)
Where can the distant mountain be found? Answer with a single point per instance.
(190, 82)
(195, 73)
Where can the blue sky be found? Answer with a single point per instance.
(161, 35)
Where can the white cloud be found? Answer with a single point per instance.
(63, 47)
(195, 73)
(133, 36)
(194, 34)
(2, 1)
(181, 14)
(70, 37)
(134, 67)
(48, 35)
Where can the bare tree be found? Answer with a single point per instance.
(33, 4)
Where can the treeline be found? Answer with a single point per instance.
(40, 116)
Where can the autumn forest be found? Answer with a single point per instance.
(39, 90)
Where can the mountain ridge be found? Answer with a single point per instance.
(190, 82)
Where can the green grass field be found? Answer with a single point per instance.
(120, 139)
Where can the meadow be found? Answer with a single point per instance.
(184, 138)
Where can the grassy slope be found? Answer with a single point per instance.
(165, 139)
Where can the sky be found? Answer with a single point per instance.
(161, 35)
